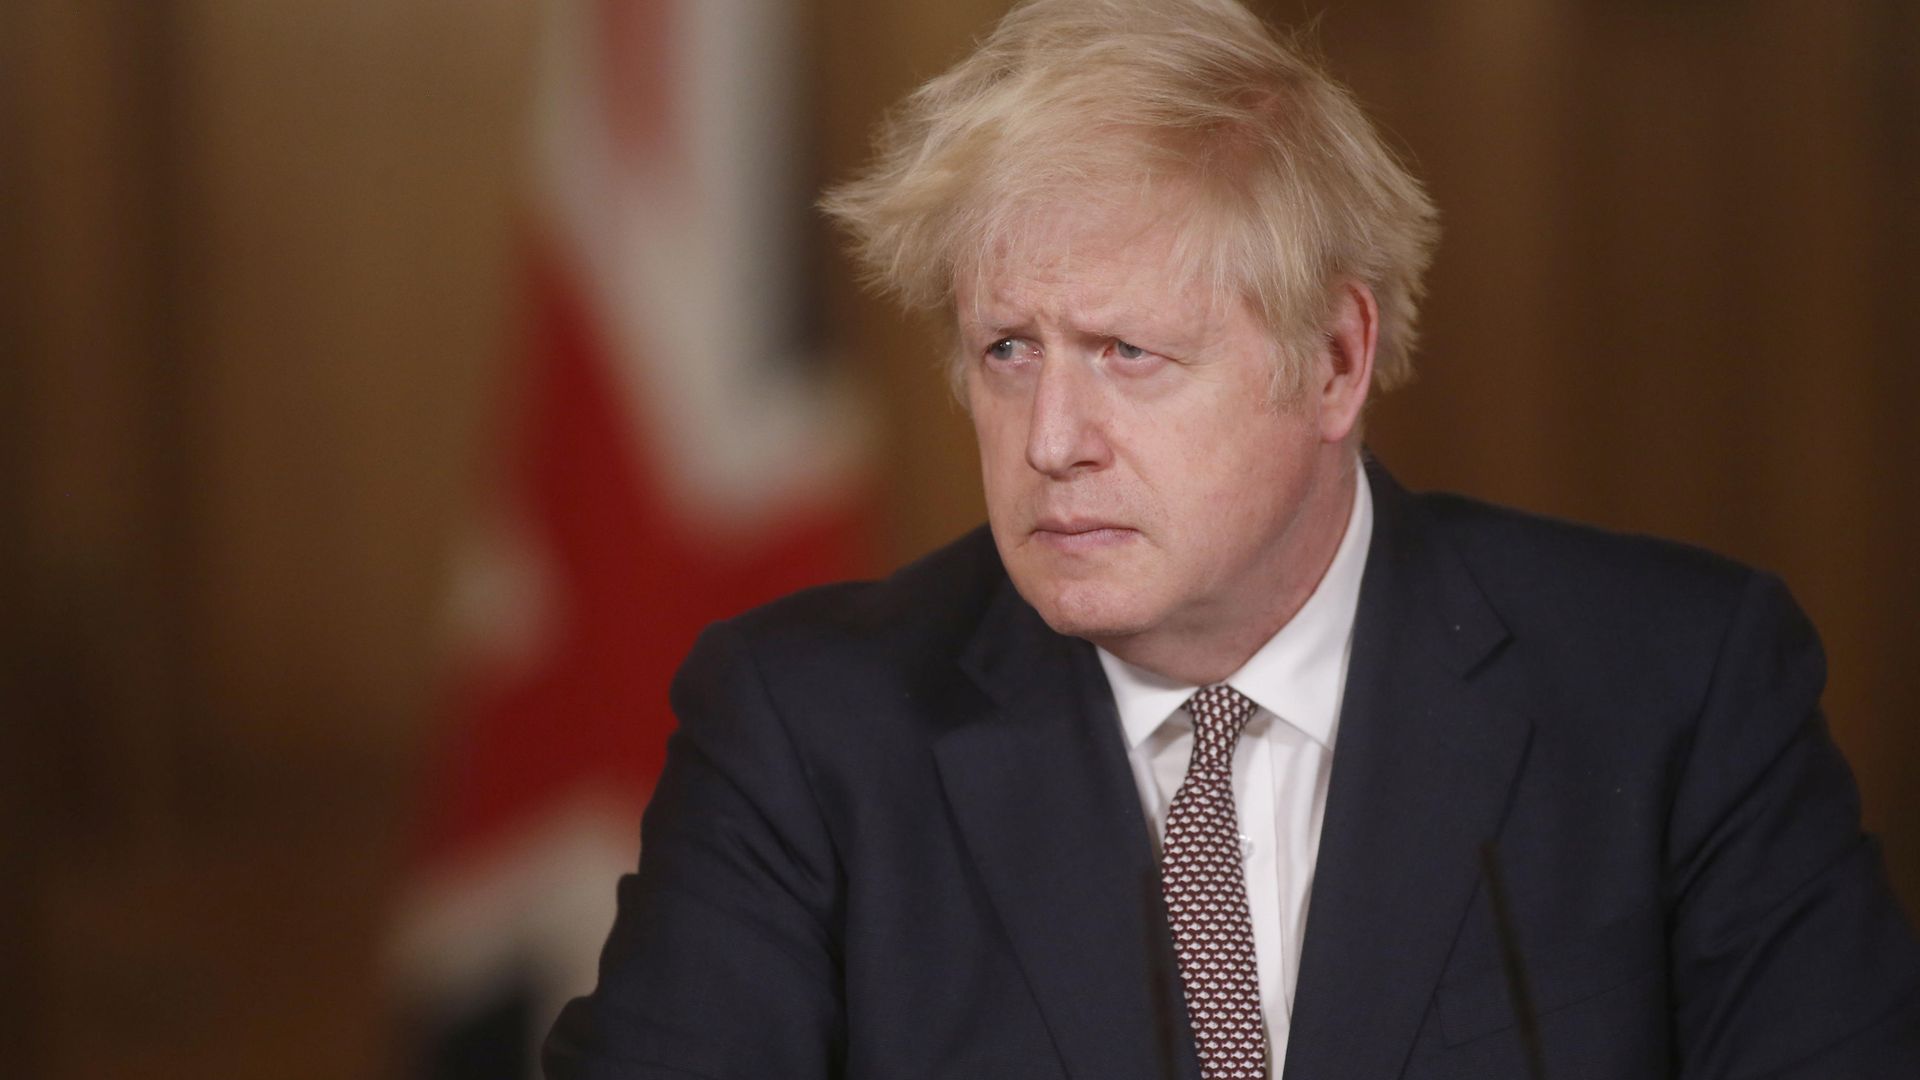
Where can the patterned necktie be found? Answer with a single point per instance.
(1206, 894)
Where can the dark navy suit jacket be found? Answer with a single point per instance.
(897, 837)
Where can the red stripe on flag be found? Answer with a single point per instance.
(634, 586)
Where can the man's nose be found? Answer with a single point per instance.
(1066, 433)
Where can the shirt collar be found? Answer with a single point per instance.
(1298, 675)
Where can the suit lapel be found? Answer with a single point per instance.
(1422, 774)
(1042, 793)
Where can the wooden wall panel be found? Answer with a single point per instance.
(349, 180)
(259, 297)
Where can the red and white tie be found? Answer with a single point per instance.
(1206, 893)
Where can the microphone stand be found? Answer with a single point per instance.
(1518, 988)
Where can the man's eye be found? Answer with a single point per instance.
(1128, 352)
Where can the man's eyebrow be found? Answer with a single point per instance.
(995, 323)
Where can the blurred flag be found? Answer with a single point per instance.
(674, 453)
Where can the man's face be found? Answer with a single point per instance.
(1140, 484)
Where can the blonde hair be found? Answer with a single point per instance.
(1287, 188)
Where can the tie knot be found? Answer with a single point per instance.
(1219, 714)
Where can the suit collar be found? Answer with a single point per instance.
(1414, 573)
(1039, 785)
(1422, 777)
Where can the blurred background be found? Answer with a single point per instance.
(389, 389)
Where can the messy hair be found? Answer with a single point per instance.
(1285, 187)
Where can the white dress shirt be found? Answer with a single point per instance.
(1282, 762)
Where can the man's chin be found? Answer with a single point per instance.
(1097, 611)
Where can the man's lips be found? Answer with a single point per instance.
(1076, 535)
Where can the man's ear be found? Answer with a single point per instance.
(1347, 374)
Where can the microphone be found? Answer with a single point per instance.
(1518, 989)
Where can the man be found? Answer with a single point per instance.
(1186, 766)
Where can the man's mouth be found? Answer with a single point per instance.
(1080, 534)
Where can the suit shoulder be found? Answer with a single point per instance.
(1515, 552)
(840, 664)
(927, 606)
(1642, 623)
(1623, 603)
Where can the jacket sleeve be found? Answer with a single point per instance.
(722, 961)
(1790, 954)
